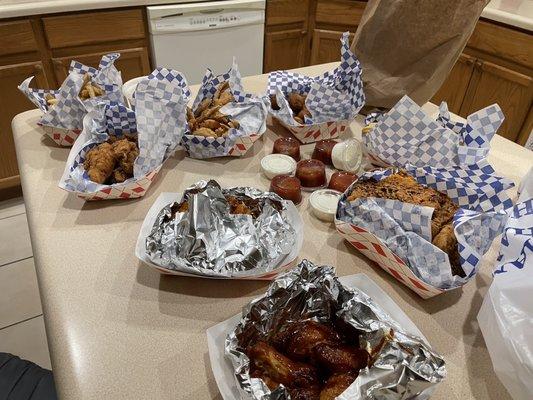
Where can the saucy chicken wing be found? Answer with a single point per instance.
(335, 385)
(281, 368)
(340, 358)
(299, 339)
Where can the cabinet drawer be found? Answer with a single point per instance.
(93, 28)
(509, 44)
(279, 12)
(16, 37)
(339, 12)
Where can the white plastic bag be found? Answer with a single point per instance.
(506, 315)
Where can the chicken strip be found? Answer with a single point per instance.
(281, 368)
(340, 358)
(100, 162)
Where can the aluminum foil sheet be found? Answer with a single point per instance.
(208, 240)
(402, 366)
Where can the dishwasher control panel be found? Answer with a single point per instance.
(227, 19)
(211, 19)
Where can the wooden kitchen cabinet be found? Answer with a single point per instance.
(326, 46)
(12, 103)
(45, 45)
(286, 34)
(332, 19)
(496, 67)
(132, 63)
(454, 88)
(512, 90)
(285, 49)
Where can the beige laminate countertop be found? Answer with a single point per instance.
(517, 13)
(118, 329)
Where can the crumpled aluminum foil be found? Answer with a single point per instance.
(208, 240)
(403, 367)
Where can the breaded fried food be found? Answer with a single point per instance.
(90, 90)
(296, 102)
(126, 152)
(207, 120)
(403, 187)
(112, 161)
(100, 162)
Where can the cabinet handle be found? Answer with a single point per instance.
(304, 32)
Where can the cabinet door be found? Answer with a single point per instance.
(454, 88)
(512, 90)
(285, 49)
(326, 46)
(12, 102)
(132, 63)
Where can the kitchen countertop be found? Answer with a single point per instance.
(517, 13)
(118, 329)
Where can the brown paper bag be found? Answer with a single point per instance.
(410, 46)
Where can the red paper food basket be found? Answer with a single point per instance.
(129, 190)
(314, 133)
(61, 136)
(373, 248)
(243, 144)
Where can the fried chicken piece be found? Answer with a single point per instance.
(296, 102)
(205, 132)
(100, 162)
(280, 368)
(340, 358)
(237, 206)
(224, 99)
(299, 339)
(310, 393)
(304, 113)
(405, 188)
(274, 102)
(447, 242)
(50, 100)
(336, 385)
(119, 176)
(204, 105)
(126, 152)
(222, 87)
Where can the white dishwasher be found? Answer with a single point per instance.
(194, 36)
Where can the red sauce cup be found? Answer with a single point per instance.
(288, 146)
(322, 151)
(341, 180)
(312, 173)
(287, 187)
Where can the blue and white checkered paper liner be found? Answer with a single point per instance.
(249, 110)
(516, 251)
(69, 111)
(158, 121)
(406, 230)
(336, 95)
(475, 187)
(407, 135)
